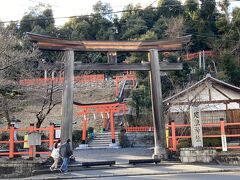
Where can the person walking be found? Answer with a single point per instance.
(55, 155)
(65, 153)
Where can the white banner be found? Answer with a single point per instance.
(196, 127)
(57, 133)
(224, 142)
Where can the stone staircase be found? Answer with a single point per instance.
(103, 140)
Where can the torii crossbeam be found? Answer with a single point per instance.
(111, 47)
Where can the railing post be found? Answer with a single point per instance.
(31, 148)
(167, 136)
(174, 141)
(51, 136)
(11, 142)
(222, 126)
(223, 135)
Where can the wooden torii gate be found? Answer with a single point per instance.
(112, 47)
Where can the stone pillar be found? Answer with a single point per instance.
(157, 107)
(112, 57)
(45, 75)
(53, 74)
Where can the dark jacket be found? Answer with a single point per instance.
(65, 150)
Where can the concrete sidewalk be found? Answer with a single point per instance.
(129, 170)
(122, 168)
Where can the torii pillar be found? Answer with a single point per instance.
(157, 107)
(66, 126)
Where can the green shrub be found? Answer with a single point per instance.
(212, 142)
(77, 135)
(90, 130)
(184, 143)
(4, 136)
(207, 142)
(123, 140)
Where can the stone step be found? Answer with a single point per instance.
(103, 140)
(103, 145)
(99, 142)
(97, 145)
(105, 134)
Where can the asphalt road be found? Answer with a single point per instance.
(195, 176)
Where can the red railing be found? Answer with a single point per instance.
(173, 138)
(31, 150)
(131, 77)
(191, 56)
(139, 129)
(59, 80)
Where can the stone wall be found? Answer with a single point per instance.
(18, 168)
(140, 139)
(229, 158)
(190, 155)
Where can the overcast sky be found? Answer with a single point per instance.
(15, 9)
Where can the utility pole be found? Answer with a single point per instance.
(200, 59)
(204, 63)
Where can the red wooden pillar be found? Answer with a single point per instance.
(84, 129)
(31, 148)
(112, 126)
(222, 126)
(104, 121)
(51, 136)
(11, 142)
(174, 141)
(223, 135)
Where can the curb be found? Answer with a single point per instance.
(79, 167)
(135, 174)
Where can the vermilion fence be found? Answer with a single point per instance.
(131, 77)
(139, 129)
(173, 137)
(82, 78)
(11, 151)
(191, 56)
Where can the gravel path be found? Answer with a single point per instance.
(121, 155)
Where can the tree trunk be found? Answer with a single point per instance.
(6, 110)
(39, 123)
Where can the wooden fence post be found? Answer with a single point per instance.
(51, 136)
(223, 135)
(11, 142)
(174, 141)
(222, 126)
(84, 130)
